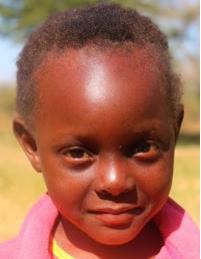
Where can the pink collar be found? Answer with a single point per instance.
(180, 235)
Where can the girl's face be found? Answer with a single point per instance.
(105, 140)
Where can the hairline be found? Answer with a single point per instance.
(97, 46)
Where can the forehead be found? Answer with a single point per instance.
(81, 80)
(119, 61)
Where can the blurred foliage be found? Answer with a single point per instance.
(19, 18)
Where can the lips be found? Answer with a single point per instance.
(117, 217)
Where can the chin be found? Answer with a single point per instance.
(116, 238)
(116, 241)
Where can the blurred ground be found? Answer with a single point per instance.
(20, 185)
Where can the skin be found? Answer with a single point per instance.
(104, 141)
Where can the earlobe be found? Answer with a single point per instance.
(179, 120)
(27, 142)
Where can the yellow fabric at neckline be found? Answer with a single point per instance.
(59, 252)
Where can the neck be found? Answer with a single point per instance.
(75, 242)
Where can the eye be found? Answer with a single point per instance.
(148, 150)
(77, 155)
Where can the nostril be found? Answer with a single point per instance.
(104, 195)
(128, 196)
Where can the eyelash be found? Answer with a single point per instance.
(78, 154)
(145, 151)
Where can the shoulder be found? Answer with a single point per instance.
(7, 249)
(179, 232)
(33, 238)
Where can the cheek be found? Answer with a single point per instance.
(67, 189)
(69, 195)
(154, 180)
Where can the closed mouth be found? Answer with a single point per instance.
(118, 211)
(118, 218)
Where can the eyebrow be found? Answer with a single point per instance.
(86, 136)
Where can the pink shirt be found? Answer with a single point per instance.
(181, 236)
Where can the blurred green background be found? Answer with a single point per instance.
(19, 184)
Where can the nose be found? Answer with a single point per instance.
(114, 178)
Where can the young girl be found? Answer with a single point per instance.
(98, 114)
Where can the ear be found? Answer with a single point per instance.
(27, 142)
(179, 120)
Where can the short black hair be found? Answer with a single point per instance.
(78, 27)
